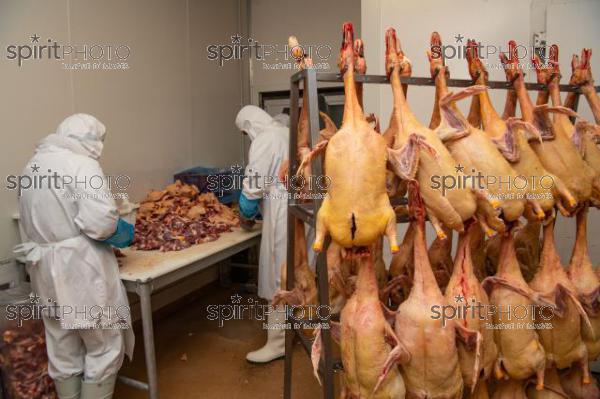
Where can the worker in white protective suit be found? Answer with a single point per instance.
(69, 226)
(282, 118)
(263, 193)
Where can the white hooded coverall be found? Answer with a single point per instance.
(269, 148)
(67, 265)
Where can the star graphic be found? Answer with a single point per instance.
(236, 39)
(34, 298)
(459, 38)
(35, 168)
(35, 38)
(459, 168)
(458, 298)
(236, 169)
(236, 298)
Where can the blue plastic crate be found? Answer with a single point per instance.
(225, 183)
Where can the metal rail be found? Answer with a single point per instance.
(306, 211)
(417, 81)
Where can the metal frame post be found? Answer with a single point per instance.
(291, 242)
(309, 79)
(144, 291)
(322, 275)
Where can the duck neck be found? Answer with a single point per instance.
(401, 108)
(441, 85)
(524, 99)
(554, 92)
(463, 264)
(486, 109)
(580, 256)
(366, 282)
(508, 265)
(424, 280)
(549, 260)
(352, 109)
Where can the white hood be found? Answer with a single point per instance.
(80, 133)
(284, 119)
(253, 120)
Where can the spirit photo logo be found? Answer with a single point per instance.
(508, 314)
(318, 315)
(281, 56)
(49, 179)
(39, 48)
(218, 183)
(476, 180)
(487, 52)
(34, 310)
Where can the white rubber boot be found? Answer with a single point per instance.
(99, 390)
(69, 388)
(275, 346)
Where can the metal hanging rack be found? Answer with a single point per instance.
(307, 211)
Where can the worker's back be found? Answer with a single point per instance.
(274, 148)
(65, 189)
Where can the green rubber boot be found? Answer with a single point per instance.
(69, 388)
(99, 390)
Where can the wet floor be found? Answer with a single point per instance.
(198, 359)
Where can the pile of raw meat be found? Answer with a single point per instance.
(499, 316)
(179, 217)
(25, 364)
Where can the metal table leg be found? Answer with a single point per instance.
(289, 352)
(144, 290)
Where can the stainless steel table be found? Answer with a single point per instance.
(143, 272)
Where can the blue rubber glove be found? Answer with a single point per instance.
(123, 236)
(248, 207)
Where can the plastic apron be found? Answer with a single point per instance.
(56, 270)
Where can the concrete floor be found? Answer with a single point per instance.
(215, 367)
